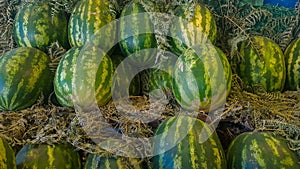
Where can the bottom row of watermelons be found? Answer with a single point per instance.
(185, 142)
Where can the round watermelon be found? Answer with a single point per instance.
(186, 142)
(262, 64)
(261, 150)
(136, 35)
(90, 17)
(192, 28)
(202, 78)
(35, 25)
(24, 76)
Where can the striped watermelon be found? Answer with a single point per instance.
(136, 35)
(122, 77)
(92, 77)
(36, 26)
(95, 161)
(263, 63)
(191, 150)
(160, 78)
(24, 75)
(7, 155)
(202, 78)
(187, 31)
(292, 61)
(260, 150)
(42, 156)
(63, 77)
(89, 16)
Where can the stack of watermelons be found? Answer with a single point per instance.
(107, 54)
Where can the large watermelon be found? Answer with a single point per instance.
(24, 76)
(88, 18)
(292, 61)
(35, 25)
(42, 156)
(193, 145)
(7, 155)
(95, 161)
(202, 78)
(262, 63)
(260, 150)
(63, 77)
(136, 35)
(189, 29)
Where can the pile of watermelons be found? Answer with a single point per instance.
(148, 84)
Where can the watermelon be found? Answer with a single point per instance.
(260, 150)
(36, 26)
(136, 37)
(202, 78)
(63, 87)
(95, 161)
(262, 64)
(188, 30)
(61, 156)
(292, 62)
(24, 76)
(90, 17)
(181, 145)
(160, 77)
(7, 155)
(126, 78)
(92, 77)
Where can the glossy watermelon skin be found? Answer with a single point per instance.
(24, 76)
(292, 62)
(202, 80)
(135, 21)
(36, 26)
(185, 133)
(61, 156)
(260, 150)
(63, 87)
(87, 19)
(7, 155)
(95, 161)
(262, 64)
(187, 31)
